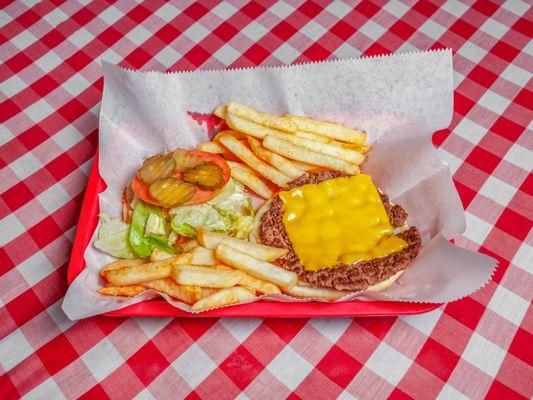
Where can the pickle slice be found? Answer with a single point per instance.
(185, 160)
(154, 168)
(207, 176)
(171, 192)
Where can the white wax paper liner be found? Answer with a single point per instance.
(400, 100)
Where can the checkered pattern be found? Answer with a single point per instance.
(50, 89)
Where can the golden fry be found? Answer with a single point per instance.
(329, 129)
(252, 181)
(121, 264)
(256, 268)
(279, 123)
(281, 163)
(223, 297)
(211, 147)
(128, 291)
(146, 272)
(249, 158)
(300, 153)
(203, 256)
(255, 285)
(189, 246)
(248, 127)
(206, 276)
(313, 136)
(303, 291)
(187, 294)
(259, 251)
(220, 111)
(159, 255)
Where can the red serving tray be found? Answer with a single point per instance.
(157, 307)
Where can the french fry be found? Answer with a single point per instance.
(207, 291)
(187, 294)
(252, 181)
(255, 285)
(220, 111)
(249, 127)
(244, 167)
(210, 147)
(304, 166)
(350, 155)
(223, 297)
(121, 264)
(249, 158)
(259, 251)
(312, 136)
(329, 129)
(203, 256)
(256, 268)
(205, 276)
(299, 153)
(159, 255)
(129, 291)
(279, 162)
(189, 246)
(361, 148)
(304, 291)
(146, 272)
(279, 123)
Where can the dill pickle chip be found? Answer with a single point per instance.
(171, 192)
(207, 176)
(185, 160)
(156, 167)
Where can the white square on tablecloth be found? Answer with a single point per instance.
(196, 32)
(450, 393)
(289, 368)
(240, 328)
(509, 305)
(372, 30)
(35, 268)
(516, 75)
(520, 156)
(498, 190)
(13, 349)
(194, 365)
(313, 30)
(470, 130)
(224, 10)
(472, 52)
(523, 258)
(102, 359)
(432, 29)
(388, 363)
(484, 354)
(12, 86)
(10, 227)
(477, 230)
(332, 328)
(152, 326)
(424, 322)
(494, 102)
(254, 31)
(46, 390)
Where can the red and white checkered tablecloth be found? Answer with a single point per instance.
(50, 91)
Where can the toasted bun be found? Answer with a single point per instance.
(254, 237)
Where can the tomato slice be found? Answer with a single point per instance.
(201, 196)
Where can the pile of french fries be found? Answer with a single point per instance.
(280, 149)
(213, 271)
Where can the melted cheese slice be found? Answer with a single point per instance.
(338, 221)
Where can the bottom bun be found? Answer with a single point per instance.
(380, 286)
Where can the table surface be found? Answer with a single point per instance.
(50, 91)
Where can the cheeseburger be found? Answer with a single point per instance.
(340, 231)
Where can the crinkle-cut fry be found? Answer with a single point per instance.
(223, 297)
(188, 246)
(349, 155)
(255, 285)
(185, 293)
(211, 240)
(127, 291)
(302, 290)
(313, 136)
(249, 158)
(252, 181)
(328, 129)
(300, 153)
(203, 256)
(220, 111)
(206, 276)
(272, 121)
(146, 272)
(159, 255)
(254, 267)
(121, 264)
(281, 163)
(250, 128)
(211, 147)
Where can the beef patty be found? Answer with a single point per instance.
(353, 277)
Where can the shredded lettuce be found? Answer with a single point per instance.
(229, 213)
(143, 238)
(113, 237)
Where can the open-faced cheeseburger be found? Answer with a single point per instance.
(341, 232)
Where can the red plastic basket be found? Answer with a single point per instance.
(155, 308)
